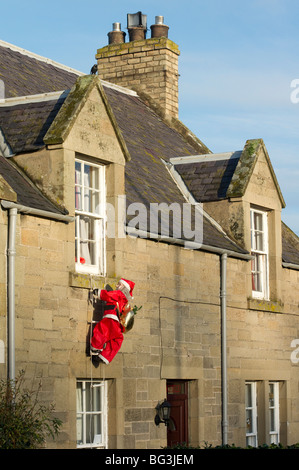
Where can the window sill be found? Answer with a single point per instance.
(89, 281)
(265, 305)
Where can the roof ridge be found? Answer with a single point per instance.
(207, 157)
(39, 57)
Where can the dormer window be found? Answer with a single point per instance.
(90, 217)
(260, 252)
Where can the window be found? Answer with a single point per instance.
(91, 414)
(262, 399)
(274, 412)
(251, 414)
(259, 250)
(90, 217)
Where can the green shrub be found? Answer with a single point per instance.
(24, 422)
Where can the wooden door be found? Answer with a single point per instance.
(177, 395)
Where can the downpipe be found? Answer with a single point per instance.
(224, 423)
(11, 254)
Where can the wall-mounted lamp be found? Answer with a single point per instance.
(162, 413)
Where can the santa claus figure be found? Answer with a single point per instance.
(118, 318)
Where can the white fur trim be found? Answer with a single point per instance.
(125, 284)
(110, 315)
(103, 359)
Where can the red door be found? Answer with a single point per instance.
(177, 395)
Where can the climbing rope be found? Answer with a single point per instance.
(93, 384)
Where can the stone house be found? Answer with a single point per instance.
(100, 180)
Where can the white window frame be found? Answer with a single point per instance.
(274, 421)
(90, 211)
(260, 265)
(251, 414)
(87, 392)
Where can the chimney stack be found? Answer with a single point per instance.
(146, 65)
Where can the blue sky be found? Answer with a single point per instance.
(237, 62)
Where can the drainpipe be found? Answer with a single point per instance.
(223, 349)
(11, 253)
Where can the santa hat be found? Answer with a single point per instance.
(129, 285)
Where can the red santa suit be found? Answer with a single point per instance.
(108, 333)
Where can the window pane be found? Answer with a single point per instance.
(257, 238)
(248, 395)
(271, 394)
(97, 398)
(259, 243)
(78, 188)
(86, 187)
(79, 397)
(91, 201)
(87, 237)
(257, 273)
(251, 441)
(93, 429)
(249, 421)
(80, 429)
(272, 420)
(258, 221)
(93, 400)
(88, 402)
(91, 189)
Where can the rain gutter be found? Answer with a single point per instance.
(290, 266)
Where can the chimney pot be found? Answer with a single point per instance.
(116, 27)
(159, 29)
(117, 36)
(137, 26)
(159, 19)
(136, 20)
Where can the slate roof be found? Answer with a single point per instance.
(25, 73)
(146, 133)
(24, 125)
(208, 177)
(290, 246)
